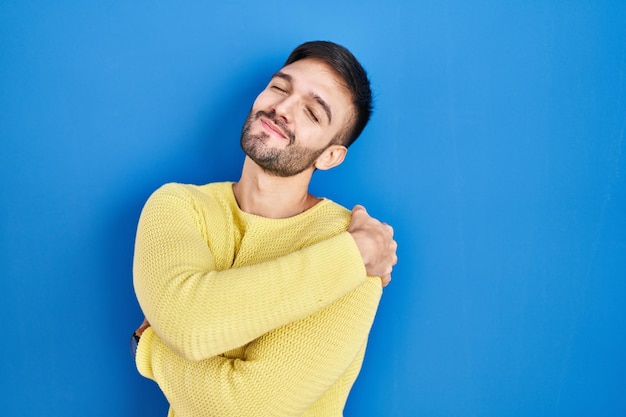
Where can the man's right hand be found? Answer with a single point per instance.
(375, 242)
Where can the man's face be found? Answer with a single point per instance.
(292, 122)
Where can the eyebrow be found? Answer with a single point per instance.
(314, 96)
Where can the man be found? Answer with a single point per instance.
(259, 296)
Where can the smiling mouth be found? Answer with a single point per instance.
(272, 128)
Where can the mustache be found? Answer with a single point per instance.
(278, 122)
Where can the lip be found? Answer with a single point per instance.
(268, 125)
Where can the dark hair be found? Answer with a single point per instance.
(353, 74)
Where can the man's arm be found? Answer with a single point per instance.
(284, 372)
(201, 312)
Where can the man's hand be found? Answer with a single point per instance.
(375, 242)
(143, 327)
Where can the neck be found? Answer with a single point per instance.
(262, 194)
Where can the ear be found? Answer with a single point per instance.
(331, 157)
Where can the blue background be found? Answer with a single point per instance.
(496, 150)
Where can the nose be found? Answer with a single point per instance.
(285, 107)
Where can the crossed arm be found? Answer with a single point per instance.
(284, 372)
(182, 351)
(200, 311)
(174, 263)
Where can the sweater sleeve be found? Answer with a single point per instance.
(284, 372)
(201, 312)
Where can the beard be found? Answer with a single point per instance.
(287, 162)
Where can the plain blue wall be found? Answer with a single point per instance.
(496, 150)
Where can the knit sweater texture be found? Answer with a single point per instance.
(250, 316)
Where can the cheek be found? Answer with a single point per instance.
(262, 101)
(256, 104)
(314, 137)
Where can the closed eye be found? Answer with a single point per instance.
(277, 88)
(312, 115)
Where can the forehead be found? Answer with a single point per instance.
(315, 77)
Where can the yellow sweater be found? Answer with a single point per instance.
(249, 316)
